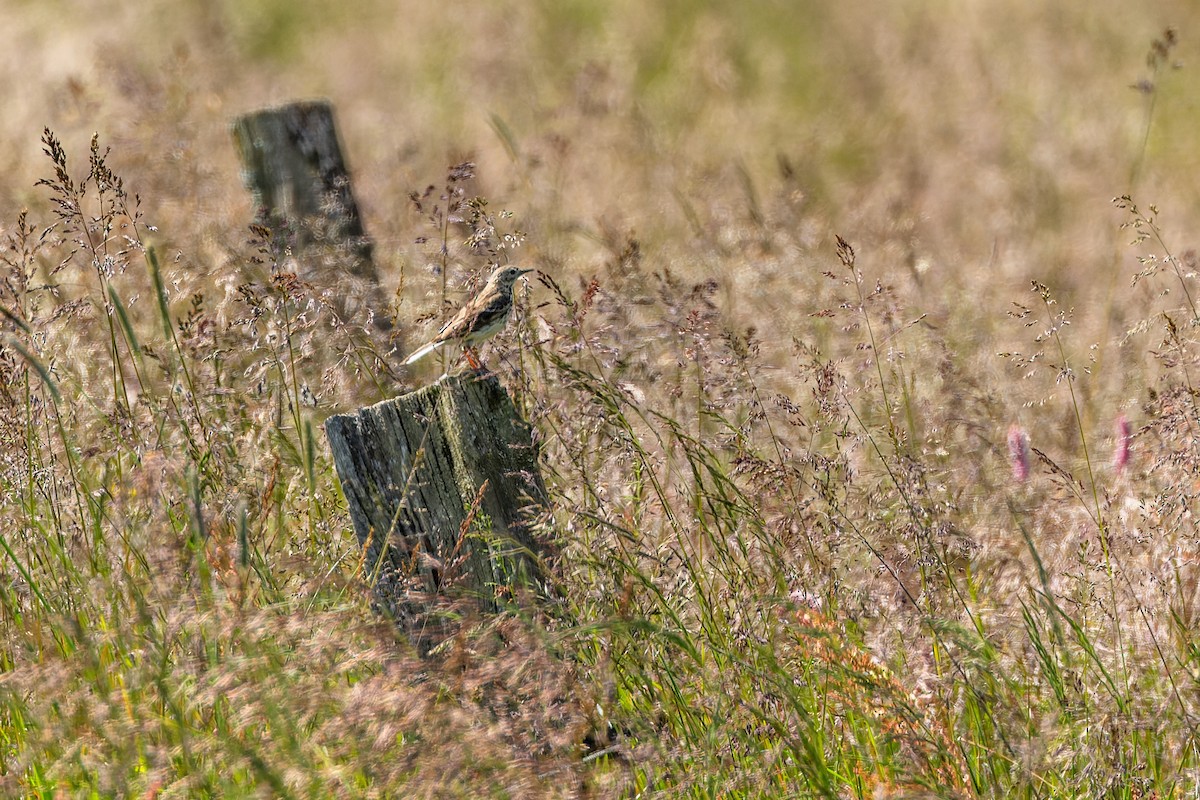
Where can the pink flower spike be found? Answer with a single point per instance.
(1124, 439)
(1018, 453)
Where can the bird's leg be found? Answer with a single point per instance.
(469, 352)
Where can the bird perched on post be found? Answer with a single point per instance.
(481, 318)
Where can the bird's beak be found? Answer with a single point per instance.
(523, 271)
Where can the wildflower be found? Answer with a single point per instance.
(1018, 453)
(1124, 438)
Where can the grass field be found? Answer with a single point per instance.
(863, 356)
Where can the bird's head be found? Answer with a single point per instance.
(505, 277)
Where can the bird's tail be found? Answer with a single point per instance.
(423, 351)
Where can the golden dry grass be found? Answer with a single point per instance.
(797, 562)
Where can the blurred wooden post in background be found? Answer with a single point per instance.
(293, 165)
(443, 487)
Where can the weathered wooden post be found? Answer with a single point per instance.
(293, 165)
(442, 484)
(443, 488)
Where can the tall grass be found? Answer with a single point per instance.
(185, 610)
(795, 552)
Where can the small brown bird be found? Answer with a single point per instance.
(481, 318)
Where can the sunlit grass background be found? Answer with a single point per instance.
(795, 555)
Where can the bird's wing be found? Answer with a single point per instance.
(459, 325)
(497, 304)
